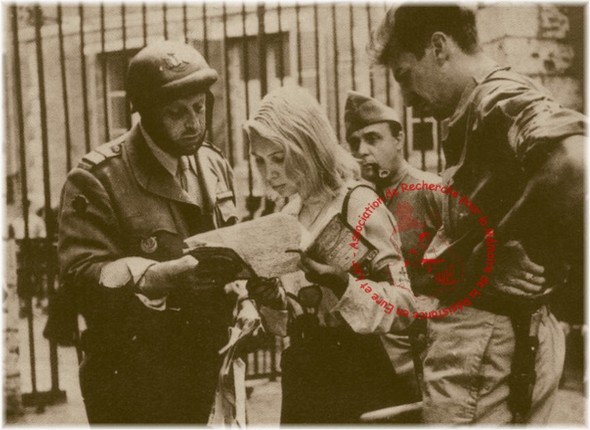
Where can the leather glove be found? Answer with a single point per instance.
(162, 277)
(325, 275)
(248, 317)
(267, 291)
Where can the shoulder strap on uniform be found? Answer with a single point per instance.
(344, 211)
(210, 145)
(101, 153)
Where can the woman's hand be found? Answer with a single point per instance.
(267, 291)
(248, 318)
(325, 275)
(515, 274)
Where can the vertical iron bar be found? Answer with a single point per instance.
(273, 359)
(125, 64)
(260, 11)
(107, 131)
(388, 86)
(43, 110)
(165, 19)
(439, 147)
(20, 121)
(297, 25)
(407, 124)
(317, 51)
(256, 359)
(32, 354)
(46, 178)
(351, 32)
(336, 83)
(247, 94)
(84, 81)
(206, 51)
(184, 23)
(25, 243)
(264, 361)
(64, 88)
(228, 121)
(370, 27)
(144, 23)
(245, 59)
(281, 47)
(205, 38)
(387, 79)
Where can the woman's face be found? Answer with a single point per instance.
(270, 160)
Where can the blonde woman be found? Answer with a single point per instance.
(335, 368)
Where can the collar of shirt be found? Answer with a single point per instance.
(465, 99)
(168, 161)
(399, 175)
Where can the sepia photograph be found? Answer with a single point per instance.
(234, 214)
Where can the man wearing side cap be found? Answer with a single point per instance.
(516, 156)
(152, 338)
(374, 133)
(376, 138)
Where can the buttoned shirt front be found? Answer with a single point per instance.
(173, 165)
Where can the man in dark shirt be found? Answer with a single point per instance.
(374, 133)
(517, 158)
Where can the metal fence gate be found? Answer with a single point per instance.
(65, 95)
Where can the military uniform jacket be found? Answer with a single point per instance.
(503, 129)
(150, 365)
(121, 202)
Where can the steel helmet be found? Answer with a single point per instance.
(166, 70)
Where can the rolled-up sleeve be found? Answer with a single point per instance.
(371, 306)
(531, 120)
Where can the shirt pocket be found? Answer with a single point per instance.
(152, 236)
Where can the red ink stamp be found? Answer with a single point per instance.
(435, 255)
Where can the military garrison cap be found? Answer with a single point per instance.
(361, 111)
(166, 70)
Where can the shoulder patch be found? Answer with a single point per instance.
(102, 153)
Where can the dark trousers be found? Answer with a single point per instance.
(337, 376)
(161, 368)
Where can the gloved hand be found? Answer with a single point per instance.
(515, 274)
(162, 277)
(267, 291)
(325, 275)
(248, 317)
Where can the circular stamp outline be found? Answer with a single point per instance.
(488, 238)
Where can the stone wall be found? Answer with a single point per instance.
(538, 41)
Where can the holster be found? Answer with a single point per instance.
(523, 375)
(417, 335)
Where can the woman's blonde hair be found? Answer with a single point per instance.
(290, 117)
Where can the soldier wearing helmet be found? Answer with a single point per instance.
(151, 341)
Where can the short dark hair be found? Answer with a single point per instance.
(408, 28)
